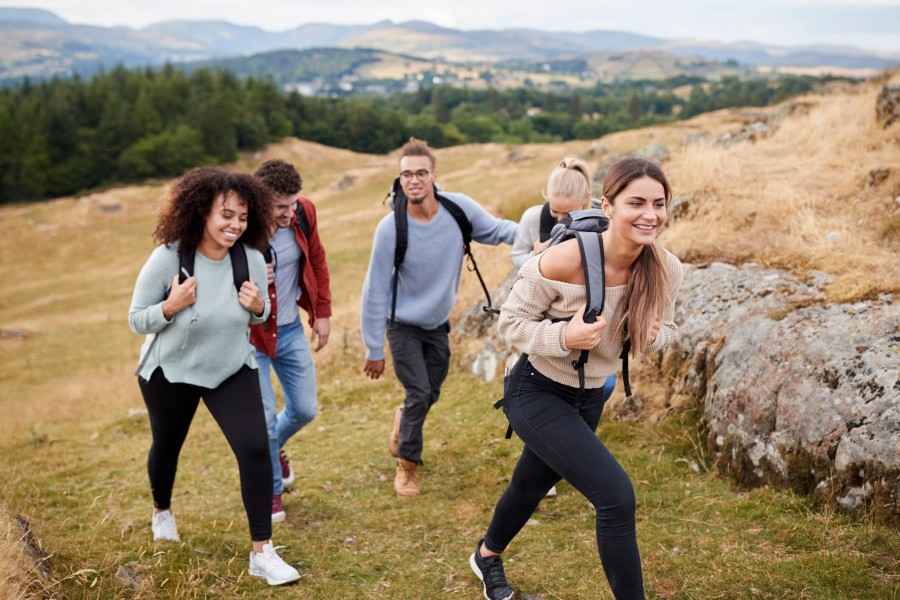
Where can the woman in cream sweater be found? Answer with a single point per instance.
(545, 407)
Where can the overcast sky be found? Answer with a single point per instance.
(872, 24)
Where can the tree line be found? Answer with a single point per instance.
(67, 135)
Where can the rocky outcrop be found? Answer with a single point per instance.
(887, 106)
(793, 391)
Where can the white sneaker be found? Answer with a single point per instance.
(163, 526)
(269, 565)
(551, 493)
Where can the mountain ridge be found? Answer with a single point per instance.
(39, 44)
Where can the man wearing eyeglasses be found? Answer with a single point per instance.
(427, 283)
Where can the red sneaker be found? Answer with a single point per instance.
(278, 514)
(287, 474)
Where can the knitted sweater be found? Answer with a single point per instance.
(207, 342)
(525, 322)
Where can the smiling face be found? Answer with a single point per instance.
(283, 208)
(226, 221)
(638, 212)
(416, 178)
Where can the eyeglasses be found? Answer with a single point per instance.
(421, 174)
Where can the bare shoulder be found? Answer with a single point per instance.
(562, 263)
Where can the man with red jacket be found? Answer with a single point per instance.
(297, 275)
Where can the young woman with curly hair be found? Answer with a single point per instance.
(197, 343)
(544, 401)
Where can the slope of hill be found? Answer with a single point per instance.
(73, 439)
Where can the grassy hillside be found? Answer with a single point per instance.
(73, 438)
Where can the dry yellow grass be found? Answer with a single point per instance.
(798, 199)
(18, 577)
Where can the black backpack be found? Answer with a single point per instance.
(548, 221)
(401, 229)
(239, 268)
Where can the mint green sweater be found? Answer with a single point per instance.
(203, 344)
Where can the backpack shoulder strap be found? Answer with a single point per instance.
(185, 265)
(302, 221)
(401, 240)
(465, 228)
(240, 270)
(462, 221)
(547, 223)
(592, 262)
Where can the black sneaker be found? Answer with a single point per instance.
(490, 571)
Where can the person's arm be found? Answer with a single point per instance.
(257, 266)
(376, 292)
(668, 329)
(523, 322)
(318, 262)
(146, 315)
(486, 228)
(527, 234)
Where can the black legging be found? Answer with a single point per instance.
(558, 428)
(237, 407)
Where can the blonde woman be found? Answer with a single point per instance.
(543, 403)
(568, 189)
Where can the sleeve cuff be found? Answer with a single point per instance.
(159, 317)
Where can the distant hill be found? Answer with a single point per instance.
(30, 15)
(348, 71)
(38, 44)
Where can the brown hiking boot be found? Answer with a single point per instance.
(394, 436)
(406, 480)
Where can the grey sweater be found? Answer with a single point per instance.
(527, 234)
(429, 276)
(203, 344)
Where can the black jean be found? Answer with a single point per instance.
(237, 407)
(558, 427)
(421, 361)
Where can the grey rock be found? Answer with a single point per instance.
(887, 106)
(654, 152)
(32, 547)
(109, 207)
(751, 132)
(130, 575)
(679, 208)
(876, 177)
(345, 182)
(13, 334)
(696, 137)
(793, 392)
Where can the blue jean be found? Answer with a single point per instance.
(296, 371)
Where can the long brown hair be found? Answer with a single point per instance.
(191, 199)
(648, 287)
